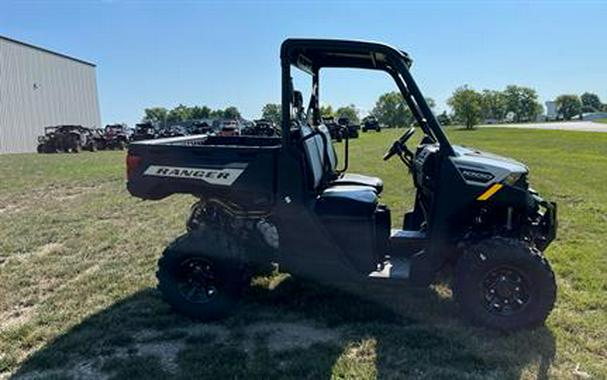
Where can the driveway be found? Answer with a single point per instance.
(585, 126)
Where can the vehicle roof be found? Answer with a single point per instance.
(309, 53)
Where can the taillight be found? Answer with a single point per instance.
(132, 163)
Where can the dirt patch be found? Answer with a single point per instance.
(49, 248)
(18, 315)
(165, 351)
(23, 201)
(10, 208)
(283, 336)
(43, 250)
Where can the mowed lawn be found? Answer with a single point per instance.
(78, 299)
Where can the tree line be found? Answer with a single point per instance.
(514, 104)
(468, 107)
(570, 106)
(181, 113)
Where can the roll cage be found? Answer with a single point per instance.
(311, 55)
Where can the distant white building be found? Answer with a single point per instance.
(40, 88)
(551, 110)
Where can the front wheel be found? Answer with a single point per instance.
(504, 284)
(200, 275)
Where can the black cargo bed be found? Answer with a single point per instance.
(241, 169)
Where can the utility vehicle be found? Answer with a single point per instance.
(201, 127)
(370, 123)
(173, 131)
(336, 131)
(115, 136)
(228, 127)
(144, 131)
(260, 127)
(349, 129)
(286, 200)
(66, 138)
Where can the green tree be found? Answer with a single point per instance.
(392, 111)
(197, 112)
(217, 114)
(350, 112)
(466, 104)
(522, 101)
(326, 111)
(179, 113)
(231, 113)
(568, 106)
(155, 115)
(273, 112)
(591, 102)
(493, 104)
(431, 103)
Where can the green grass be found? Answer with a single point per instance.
(603, 121)
(77, 297)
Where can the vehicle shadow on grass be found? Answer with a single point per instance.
(292, 329)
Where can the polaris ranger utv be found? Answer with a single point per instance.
(285, 200)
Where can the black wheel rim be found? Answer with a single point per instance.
(505, 291)
(197, 281)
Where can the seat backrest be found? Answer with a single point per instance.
(311, 146)
(331, 151)
(314, 149)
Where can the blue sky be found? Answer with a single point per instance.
(227, 53)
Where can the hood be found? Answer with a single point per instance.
(473, 159)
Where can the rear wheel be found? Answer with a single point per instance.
(504, 284)
(201, 275)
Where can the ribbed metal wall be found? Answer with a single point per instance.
(39, 88)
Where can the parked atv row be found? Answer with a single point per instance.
(220, 127)
(75, 138)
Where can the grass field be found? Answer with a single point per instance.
(603, 121)
(77, 297)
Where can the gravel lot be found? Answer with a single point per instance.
(585, 126)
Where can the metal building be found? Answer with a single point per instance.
(41, 88)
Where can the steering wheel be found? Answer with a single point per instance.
(400, 145)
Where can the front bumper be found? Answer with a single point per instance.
(545, 225)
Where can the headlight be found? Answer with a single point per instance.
(512, 179)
